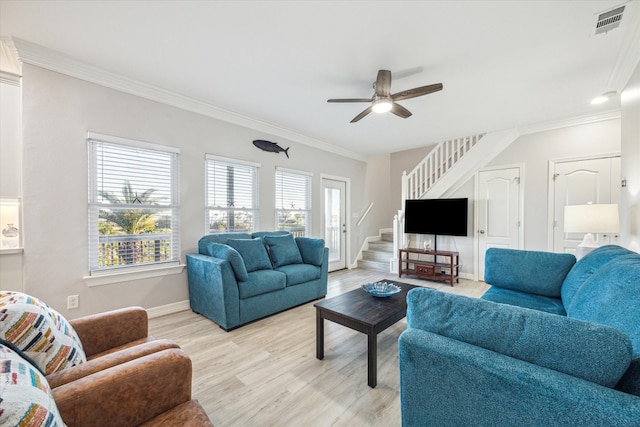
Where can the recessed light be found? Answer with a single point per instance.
(603, 98)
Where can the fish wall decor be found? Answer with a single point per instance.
(272, 147)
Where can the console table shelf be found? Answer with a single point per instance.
(431, 268)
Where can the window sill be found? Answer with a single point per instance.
(109, 278)
(11, 251)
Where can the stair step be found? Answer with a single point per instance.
(387, 237)
(380, 256)
(373, 265)
(381, 246)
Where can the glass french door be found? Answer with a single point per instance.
(335, 225)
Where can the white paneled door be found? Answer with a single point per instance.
(580, 182)
(498, 207)
(335, 222)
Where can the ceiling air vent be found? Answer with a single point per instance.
(609, 20)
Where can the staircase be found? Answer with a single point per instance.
(378, 254)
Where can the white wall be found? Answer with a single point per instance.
(58, 110)
(535, 151)
(630, 165)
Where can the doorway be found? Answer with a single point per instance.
(579, 182)
(498, 212)
(334, 196)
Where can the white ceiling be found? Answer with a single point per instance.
(503, 64)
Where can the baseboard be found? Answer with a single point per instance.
(163, 310)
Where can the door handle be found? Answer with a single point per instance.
(481, 231)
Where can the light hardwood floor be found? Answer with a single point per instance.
(266, 373)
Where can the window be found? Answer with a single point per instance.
(293, 202)
(232, 195)
(133, 203)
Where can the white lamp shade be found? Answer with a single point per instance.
(601, 218)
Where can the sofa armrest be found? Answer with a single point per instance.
(533, 272)
(213, 289)
(448, 382)
(128, 394)
(104, 331)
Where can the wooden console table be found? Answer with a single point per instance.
(431, 268)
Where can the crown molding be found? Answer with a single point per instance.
(629, 56)
(49, 59)
(573, 121)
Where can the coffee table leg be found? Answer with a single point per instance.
(319, 335)
(372, 356)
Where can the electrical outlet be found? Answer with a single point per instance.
(73, 301)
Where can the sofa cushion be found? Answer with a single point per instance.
(40, 332)
(261, 282)
(253, 253)
(612, 297)
(300, 273)
(219, 250)
(534, 272)
(283, 250)
(586, 267)
(218, 238)
(523, 299)
(312, 250)
(586, 350)
(26, 398)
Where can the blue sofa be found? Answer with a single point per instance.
(551, 343)
(236, 278)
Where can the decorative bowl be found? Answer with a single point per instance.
(381, 289)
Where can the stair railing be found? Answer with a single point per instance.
(435, 165)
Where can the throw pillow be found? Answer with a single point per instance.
(40, 332)
(593, 352)
(312, 250)
(221, 251)
(252, 252)
(26, 396)
(283, 250)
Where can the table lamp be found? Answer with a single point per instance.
(591, 218)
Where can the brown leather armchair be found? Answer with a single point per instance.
(109, 339)
(151, 390)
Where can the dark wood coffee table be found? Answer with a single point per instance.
(359, 310)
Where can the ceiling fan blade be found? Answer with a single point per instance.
(361, 115)
(351, 100)
(383, 83)
(415, 92)
(400, 111)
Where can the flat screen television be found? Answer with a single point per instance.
(440, 217)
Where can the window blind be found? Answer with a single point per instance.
(293, 202)
(231, 196)
(133, 204)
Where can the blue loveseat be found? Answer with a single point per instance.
(551, 343)
(236, 278)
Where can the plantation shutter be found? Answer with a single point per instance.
(231, 195)
(293, 201)
(133, 203)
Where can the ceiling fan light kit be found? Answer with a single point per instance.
(382, 100)
(382, 105)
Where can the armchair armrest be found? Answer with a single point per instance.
(105, 331)
(128, 394)
(57, 379)
(448, 382)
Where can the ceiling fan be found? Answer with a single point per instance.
(382, 101)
